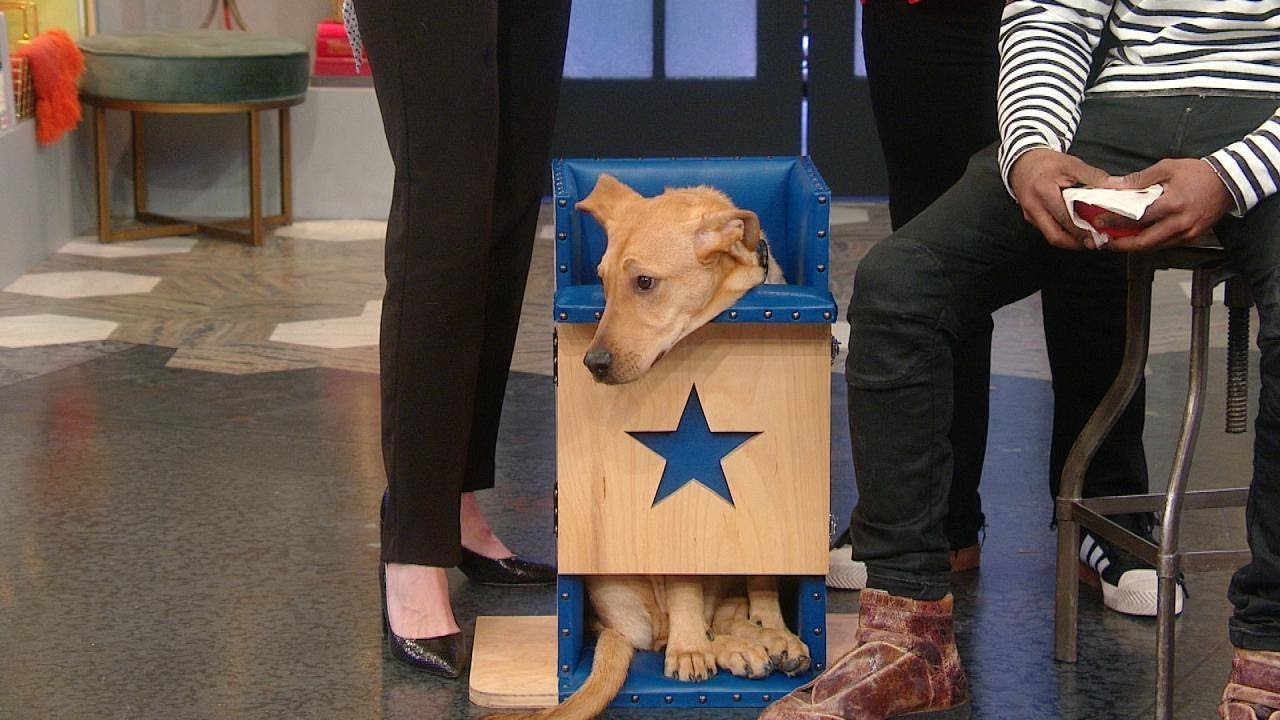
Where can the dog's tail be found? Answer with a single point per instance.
(608, 672)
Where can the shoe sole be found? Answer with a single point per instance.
(548, 583)
(844, 573)
(1127, 601)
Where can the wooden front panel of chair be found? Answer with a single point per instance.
(765, 388)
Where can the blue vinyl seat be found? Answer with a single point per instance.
(787, 193)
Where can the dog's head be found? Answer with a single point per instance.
(672, 263)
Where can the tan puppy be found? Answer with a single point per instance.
(673, 263)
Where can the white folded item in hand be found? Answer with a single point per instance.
(1129, 203)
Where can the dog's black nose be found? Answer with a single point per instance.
(598, 362)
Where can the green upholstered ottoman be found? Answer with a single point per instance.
(193, 72)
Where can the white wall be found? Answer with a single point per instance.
(37, 207)
(342, 167)
(293, 18)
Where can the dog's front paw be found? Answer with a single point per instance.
(786, 652)
(692, 662)
(741, 657)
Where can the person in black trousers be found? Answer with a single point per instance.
(932, 71)
(468, 94)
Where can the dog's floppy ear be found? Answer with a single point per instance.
(735, 231)
(607, 199)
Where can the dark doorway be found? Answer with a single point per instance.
(842, 138)
(659, 78)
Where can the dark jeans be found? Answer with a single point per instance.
(468, 95)
(932, 69)
(971, 253)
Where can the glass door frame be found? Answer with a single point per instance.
(664, 117)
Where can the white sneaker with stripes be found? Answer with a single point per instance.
(843, 572)
(1128, 585)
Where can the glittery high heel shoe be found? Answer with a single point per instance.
(436, 656)
(514, 571)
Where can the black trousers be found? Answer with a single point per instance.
(932, 70)
(468, 94)
(972, 252)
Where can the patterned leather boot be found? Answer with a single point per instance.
(1253, 690)
(904, 663)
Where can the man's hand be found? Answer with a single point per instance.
(1193, 201)
(1038, 179)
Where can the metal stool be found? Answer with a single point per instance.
(1207, 261)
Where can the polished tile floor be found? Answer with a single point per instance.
(191, 475)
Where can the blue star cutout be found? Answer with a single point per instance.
(693, 452)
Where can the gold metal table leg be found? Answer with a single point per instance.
(286, 168)
(255, 177)
(100, 173)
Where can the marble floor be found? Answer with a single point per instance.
(191, 475)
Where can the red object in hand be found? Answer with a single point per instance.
(1109, 223)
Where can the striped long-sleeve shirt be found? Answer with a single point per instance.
(1162, 47)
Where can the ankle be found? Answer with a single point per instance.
(487, 544)
(477, 535)
(418, 604)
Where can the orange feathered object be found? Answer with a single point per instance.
(56, 65)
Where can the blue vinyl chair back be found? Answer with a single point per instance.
(787, 193)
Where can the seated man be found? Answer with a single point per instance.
(1184, 98)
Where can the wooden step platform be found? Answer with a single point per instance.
(513, 660)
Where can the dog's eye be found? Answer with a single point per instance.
(644, 282)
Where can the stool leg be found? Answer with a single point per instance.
(1129, 377)
(1067, 599)
(1203, 280)
(139, 166)
(286, 167)
(100, 173)
(255, 177)
(1165, 606)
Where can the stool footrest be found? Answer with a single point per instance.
(222, 228)
(1200, 560)
(1116, 534)
(148, 231)
(1092, 514)
(1193, 499)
